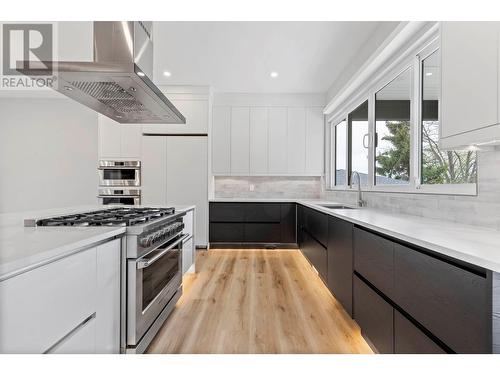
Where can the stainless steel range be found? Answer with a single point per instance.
(151, 265)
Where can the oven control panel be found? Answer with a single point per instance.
(159, 235)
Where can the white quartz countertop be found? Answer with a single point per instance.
(473, 244)
(23, 248)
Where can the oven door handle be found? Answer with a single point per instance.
(144, 263)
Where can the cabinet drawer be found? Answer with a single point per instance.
(451, 302)
(374, 260)
(81, 341)
(227, 212)
(288, 223)
(47, 303)
(227, 232)
(263, 232)
(316, 223)
(315, 253)
(262, 212)
(374, 315)
(409, 339)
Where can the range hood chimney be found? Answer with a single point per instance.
(118, 82)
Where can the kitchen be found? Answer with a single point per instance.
(280, 198)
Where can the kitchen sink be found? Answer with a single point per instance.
(337, 207)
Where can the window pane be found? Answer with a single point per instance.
(392, 128)
(340, 153)
(440, 167)
(358, 127)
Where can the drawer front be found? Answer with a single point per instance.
(449, 301)
(288, 223)
(263, 232)
(316, 224)
(374, 315)
(316, 254)
(409, 339)
(42, 306)
(227, 232)
(81, 341)
(340, 261)
(262, 212)
(227, 212)
(374, 260)
(188, 223)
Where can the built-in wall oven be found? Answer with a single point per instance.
(119, 173)
(124, 196)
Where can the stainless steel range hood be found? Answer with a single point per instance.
(118, 82)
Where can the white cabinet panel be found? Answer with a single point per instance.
(469, 85)
(109, 138)
(188, 255)
(81, 341)
(296, 141)
(131, 141)
(187, 179)
(47, 303)
(107, 321)
(221, 140)
(277, 140)
(258, 141)
(154, 170)
(314, 141)
(240, 146)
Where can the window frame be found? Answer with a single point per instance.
(412, 61)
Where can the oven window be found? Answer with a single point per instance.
(118, 200)
(156, 277)
(119, 174)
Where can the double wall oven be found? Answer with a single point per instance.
(119, 182)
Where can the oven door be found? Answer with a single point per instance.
(152, 281)
(119, 176)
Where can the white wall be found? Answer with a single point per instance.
(48, 154)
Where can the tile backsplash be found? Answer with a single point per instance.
(482, 210)
(267, 187)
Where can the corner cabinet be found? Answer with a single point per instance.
(470, 84)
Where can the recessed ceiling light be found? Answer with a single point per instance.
(273, 74)
(166, 73)
(428, 73)
(141, 74)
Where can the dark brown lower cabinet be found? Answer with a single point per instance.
(315, 253)
(374, 315)
(409, 339)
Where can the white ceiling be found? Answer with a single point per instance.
(239, 56)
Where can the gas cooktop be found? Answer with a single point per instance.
(120, 216)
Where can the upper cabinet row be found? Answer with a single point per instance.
(267, 141)
(470, 84)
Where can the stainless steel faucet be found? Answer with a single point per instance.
(361, 202)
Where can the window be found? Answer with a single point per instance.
(340, 153)
(358, 142)
(393, 131)
(439, 167)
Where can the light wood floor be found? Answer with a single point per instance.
(257, 301)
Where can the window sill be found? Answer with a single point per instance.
(448, 189)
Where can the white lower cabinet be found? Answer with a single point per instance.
(44, 309)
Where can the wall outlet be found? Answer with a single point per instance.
(251, 187)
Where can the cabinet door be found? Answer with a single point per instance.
(187, 179)
(469, 68)
(263, 232)
(340, 261)
(131, 141)
(314, 141)
(240, 146)
(154, 170)
(296, 141)
(316, 223)
(227, 232)
(221, 140)
(409, 339)
(188, 255)
(374, 315)
(258, 141)
(107, 319)
(109, 138)
(288, 223)
(227, 212)
(316, 254)
(277, 140)
(450, 301)
(262, 212)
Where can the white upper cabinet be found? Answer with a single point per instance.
(314, 141)
(277, 140)
(258, 140)
(469, 83)
(154, 170)
(296, 141)
(119, 141)
(240, 145)
(221, 140)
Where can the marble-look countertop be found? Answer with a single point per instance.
(473, 244)
(23, 248)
